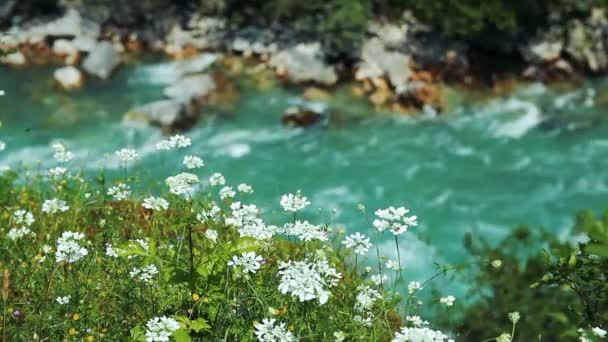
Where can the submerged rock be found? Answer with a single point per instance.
(69, 78)
(301, 117)
(166, 114)
(66, 50)
(195, 87)
(304, 63)
(102, 60)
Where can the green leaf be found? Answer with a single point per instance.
(246, 244)
(199, 324)
(130, 248)
(182, 335)
(597, 249)
(138, 334)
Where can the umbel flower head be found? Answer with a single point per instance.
(395, 219)
(155, 203)
(69, 248)
(249, 262)
(358, 242)
(127, 155)
(182, 183)
(291, 202)
(61, 154)
(54, 205)
(193, 162)
(160, 329)
(422, 334)
(305, 231)
(120, 192)
(18, 233)
(145, 274)
(269, 331)
(308, 280)
(23, 217)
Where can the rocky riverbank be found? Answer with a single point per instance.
(400, 66)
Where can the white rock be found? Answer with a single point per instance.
(377, 61)
(66, 49)
(304, 63)
(15, 58)
(163, 113)
(69, 77)
(84, 43)
(190, 87)
(102, 60)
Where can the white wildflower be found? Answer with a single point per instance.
(379, 280)
(145, 274)
(308, 280)
(294, 203)
(61, 154)
(119, 192)
(180, 141)
(160, 329)
(305, 231)
(217, 179)
(268, 331)
(339, 336)
(57, 171)
(421, 334)
(23, 217)
(209, 215)
(393, 265)
(211, 235)
(448, 300)
(394, 219)
(69, 248)
(366, 298)
(164, 145)
(110, 251)
(359, 242)
(413, 287)
(193, 162)
(514, 317)
(18, 233)
(54, 205)
(227, 192)
(182, 183)
(155, 203)
(244, 188)
(126, 155)
(599, 332)
(416, 321)
(249, 262)
(365, 321)
(504, 337)
(63, 300)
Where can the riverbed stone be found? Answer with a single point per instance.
(194, 87)
(102, 60)
(66, 50)
(304, 63)
(301, 117)
(376, 62)
(69, 78)
(166, 114)
(15, 59)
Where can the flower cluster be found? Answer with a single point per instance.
(269, 331)
(182, 183)
(18, 233)
(358, 242)
(291, 202)
(244, 217)
(366, 298)
(145, 274)
(217, 179)
(305, 231)
(23, 217)
(448, 300)
(61, 154)
(308, 280)
(69, 248)
(155, 203)
(160, 329)
(209, 214)
(193, 162)
(409, 334)
(227, 192)
(57, 171)
(395, 219)
(54, 205)
(249, 262)
(119, 192)
(126, 155)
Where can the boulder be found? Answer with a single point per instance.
(377, 62)
(166, 114)
(16, 59)
(195, 87)
(84, 43)
(69, 78)
(197, 64)
(66, 50)
(545, 47)
(301, 117)
(585, 45)
(102, 60)
(304, 63)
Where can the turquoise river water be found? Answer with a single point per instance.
(534, 157)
